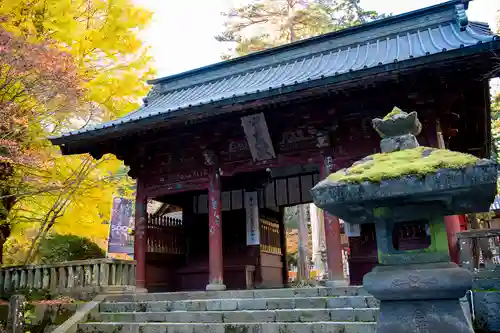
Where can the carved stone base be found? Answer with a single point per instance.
(420, 298)
(440, 316)
(215, 287)
(141, 291)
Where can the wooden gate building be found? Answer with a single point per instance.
(233, 143)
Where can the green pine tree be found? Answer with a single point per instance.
(262, 24)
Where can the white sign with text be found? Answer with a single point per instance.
(252, 218)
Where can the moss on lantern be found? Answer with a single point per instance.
(418, 161)
(394, 112)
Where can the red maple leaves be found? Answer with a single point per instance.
(37, 81)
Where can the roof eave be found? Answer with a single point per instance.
(143, 123)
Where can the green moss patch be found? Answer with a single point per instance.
(418, 161)
(394, 112)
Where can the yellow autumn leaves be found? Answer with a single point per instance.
(73, 194)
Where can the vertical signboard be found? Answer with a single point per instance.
(258, 138)
(122, 218)
(252, 218)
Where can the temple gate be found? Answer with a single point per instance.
(230, 145)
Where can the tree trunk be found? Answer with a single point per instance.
(5, 230)
(318, 240)
(6, 204)
(303, 261)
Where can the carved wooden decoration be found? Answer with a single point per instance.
(300, 138)
(322, 139)
(258, 138)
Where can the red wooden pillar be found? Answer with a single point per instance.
(140, 237)
(215, 233)
(332, 238)
(452, 224)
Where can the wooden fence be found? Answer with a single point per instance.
(479, 249)
(94, 275)
(270, 237)
(165, 235)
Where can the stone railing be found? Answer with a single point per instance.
(96, 275)
(473, 244)
(484, 297)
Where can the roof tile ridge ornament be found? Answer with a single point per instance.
(461, 15)
(155, 92)
(398, 130)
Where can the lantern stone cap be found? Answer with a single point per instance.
(405, 174)
(450, 191)
(418, 162)
(397, 123)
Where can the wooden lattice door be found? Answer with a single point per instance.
(363, 254)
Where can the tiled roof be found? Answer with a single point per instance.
(337, 61)
(390, 42)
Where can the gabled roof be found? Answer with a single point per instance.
(403, 38)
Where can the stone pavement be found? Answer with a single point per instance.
(308, 310)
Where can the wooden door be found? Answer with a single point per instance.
(363, 254)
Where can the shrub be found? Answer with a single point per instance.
(60, 248)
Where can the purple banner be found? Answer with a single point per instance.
(122, 219)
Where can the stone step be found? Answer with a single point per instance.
(318, 327)
(232, 294)
(266, 316)
(243, 304)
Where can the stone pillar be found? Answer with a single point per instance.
(140, 237)
(216, 267)
(333, 240)
(15, 317)
(452, 224)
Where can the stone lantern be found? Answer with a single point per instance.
(406, 190)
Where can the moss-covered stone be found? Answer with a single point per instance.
(418, 161)
(395, 111)
(43, 317)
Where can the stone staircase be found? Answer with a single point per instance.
(307, 310)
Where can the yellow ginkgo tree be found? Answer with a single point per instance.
(111, 66)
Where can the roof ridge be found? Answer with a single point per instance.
(158, 91)
(312, 40)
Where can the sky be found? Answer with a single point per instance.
(181, 35)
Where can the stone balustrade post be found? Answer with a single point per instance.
(7, 281)
(104, 274)
(31, 279)
(53, 279)
(23, 279)
(38, 278)
(96, 274)
(87, 279)
(45, 278)
(113, 274)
